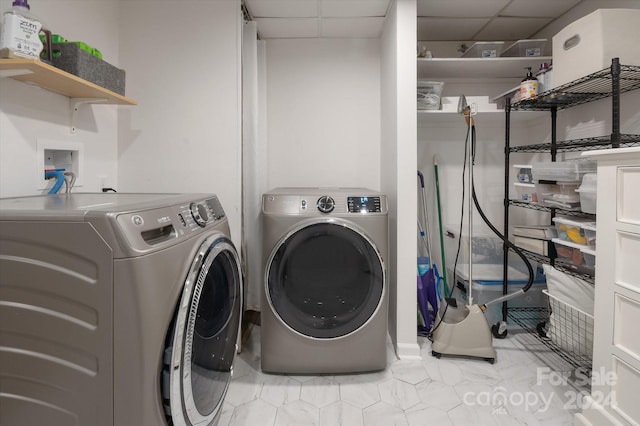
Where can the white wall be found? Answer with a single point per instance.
(323, 100)
(29, 114)
(183, 68)
(398, 169)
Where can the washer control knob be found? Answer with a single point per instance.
(326, 204)
(199, 213)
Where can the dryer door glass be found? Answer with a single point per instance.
(325, 280)
(210, 316)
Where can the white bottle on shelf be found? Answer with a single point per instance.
(20, 31)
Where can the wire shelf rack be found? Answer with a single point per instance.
(584, 273)
(533, 322)
(577, 145)
(543, 208)
(590, 88)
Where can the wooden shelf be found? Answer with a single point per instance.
(55, 80)
(447, 68)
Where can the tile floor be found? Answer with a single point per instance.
(518, 389)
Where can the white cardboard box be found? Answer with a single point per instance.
(588, 44)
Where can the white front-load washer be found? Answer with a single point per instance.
(325, 294)
(116, 309)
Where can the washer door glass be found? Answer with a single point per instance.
(325, 280)
(204, 339)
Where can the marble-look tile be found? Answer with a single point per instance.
(423, 415)
(341, 413)
(297, 413)
(399, 394)
(412, 372)
(320, 392)
(450, 371)
(429, 392)
(383, 414)
(373, 377)
(280, 390)
(226, 414)
(468, 415)
(359, 394)
(245, 389)
(437, 394)
(481, 372)
(256, 412)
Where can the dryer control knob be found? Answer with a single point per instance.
(199, 213)
(326, 204)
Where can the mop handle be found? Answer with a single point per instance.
(442, 254)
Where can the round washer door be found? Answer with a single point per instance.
(202, 343)
(325, 280)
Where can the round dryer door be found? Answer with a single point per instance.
(202, 344)
(325, 280)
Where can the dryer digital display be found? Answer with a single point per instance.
(363, 204)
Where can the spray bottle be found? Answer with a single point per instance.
(528, 86)
(20, 31)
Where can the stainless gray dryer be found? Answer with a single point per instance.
(116, 309)
(325, 295)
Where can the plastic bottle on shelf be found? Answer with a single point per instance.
(528, 86)
(20, 31)
(540, 76)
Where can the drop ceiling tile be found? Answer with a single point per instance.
(365, 27)
(353, 8)
(288, 27)
(452, 29)
(504, 28)
(548, 8)
(282, 8)
(461, 8)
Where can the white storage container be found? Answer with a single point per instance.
(526, 48)
(588, 193)
(588, 44)
(523, 173)
(560, 194)
(571, 170)
(526, 192)
(484, 49)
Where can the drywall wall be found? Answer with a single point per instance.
(30, 115)
(183, 67)
(323, 107)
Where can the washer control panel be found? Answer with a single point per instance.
(201, 213)
(364, 204)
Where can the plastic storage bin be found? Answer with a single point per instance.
(523, 173)
(587, 45)
(576, 230)
(571, 170)
(526, 192)
(526, 48)
(486, 291)
(589, 257)
(484, 49)
(429, 93)
(569, 252)
(560, 194)
(587, 193)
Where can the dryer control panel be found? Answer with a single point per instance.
(363, 204)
